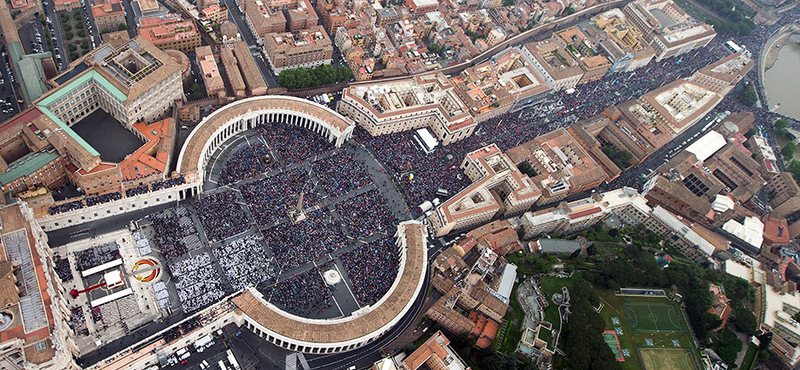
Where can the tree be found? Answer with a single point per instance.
(79, 26)
(794, 169)
(72, 47)
(67, 27)
(745, 320)
(729, 346)
(570, 10)
(748, 96)
(73, 55)
(434, 48)
(509, 2)
(81, 33)
(788, 151)
(122, 27)
(76, 16)
(68, 35)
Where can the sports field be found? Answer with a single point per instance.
(655, 317)
(667, 359)
(652, 332)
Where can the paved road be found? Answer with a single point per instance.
(130, 19)
(56, 34)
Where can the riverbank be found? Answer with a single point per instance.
(775, 48)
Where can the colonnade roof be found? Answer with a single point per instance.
(344, 330)
(193, 148)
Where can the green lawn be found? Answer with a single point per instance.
(750, 357)
(666, 313)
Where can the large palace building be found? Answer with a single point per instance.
(103, 126)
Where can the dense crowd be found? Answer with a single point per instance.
(63, 268)
(158, 185)
(103, 198)
(366, 214)
(221, 216)
(139, 190)
(66, 207)
(172, 231)
(304, 294)
(78, 321)
(295, 245)
(246, 163)
(372, 269)
(244, 262)
(293, 143)
(271, 198)
(340, 173)
(96, 255)
(402, 158)
(197, 282)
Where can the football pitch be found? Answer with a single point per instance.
(667, 359)
(653, 317)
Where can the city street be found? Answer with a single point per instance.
(56, 36)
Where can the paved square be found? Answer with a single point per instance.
(653, 317)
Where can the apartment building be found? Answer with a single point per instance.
(308, 48)
(170, 31)
(621, 42)
(407, 104)
(108, 14)
(262, 19)
(234, 76)
(560, 166)
(212, 78)
(498, 187)
(558, 67)
(667, 28)
(585, 52)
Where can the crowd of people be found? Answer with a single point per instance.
(197, 282)
(246, 163)
(168, 183)
(78, 321)
(340, 174)
(305, 294)
(366, 214)
(96, 255)
(63, 268)
(139, 190)
(292, 143)
(244, 262)
(103, 198)
(66, 207)
(170, 229)
(270, 199)
(221, 216)
(294, 245)
(372, 269)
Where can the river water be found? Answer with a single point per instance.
(782, 81)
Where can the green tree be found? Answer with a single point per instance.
(73, 55)
(77, 15)
(570, 10)
(67, 28)
(434, 48)
(72, 47)
(509, 2)
(79, 26)
(788, 151)
(122, 27)
(68, 35)
(748, 96)
(81, 33)
(794, 169)
(745, 320)
(728, 347)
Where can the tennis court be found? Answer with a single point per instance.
(653, 317)
(613, 342)
(667, 359)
